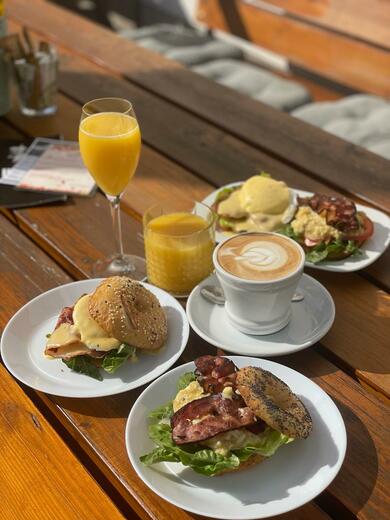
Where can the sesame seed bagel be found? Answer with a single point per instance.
(273, 401)
(127, 311)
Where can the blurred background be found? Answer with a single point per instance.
(325, 61)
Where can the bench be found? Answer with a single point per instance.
(344, 43)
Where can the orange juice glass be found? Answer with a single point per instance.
(179, 243)
(110, 146)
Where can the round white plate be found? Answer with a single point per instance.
(24, 340)
(371, 250)
(310, 321)
(297, 473)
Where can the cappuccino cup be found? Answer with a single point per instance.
(259, 273)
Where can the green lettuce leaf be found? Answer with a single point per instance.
(316, 255)
(264, 174)
(204, 460)
(269, 442)
(115, 358)
(185, 380)
(83, 365)
(288, 231)
(223, 194)
(321, 252)
(162, 413)
(335, 247)
(225, 223)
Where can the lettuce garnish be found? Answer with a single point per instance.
(110, 363)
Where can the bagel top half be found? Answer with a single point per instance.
(129, 312)
(273, 401)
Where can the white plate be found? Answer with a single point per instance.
(371, 250)
(296, 474)
(24, 340)
(310, 321)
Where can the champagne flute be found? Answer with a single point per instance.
(110, 145)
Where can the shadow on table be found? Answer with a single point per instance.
(105, 407)
(355, 483)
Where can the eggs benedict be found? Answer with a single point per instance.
(259, 204)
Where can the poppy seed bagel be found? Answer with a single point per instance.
(129, 312)
(273, 401)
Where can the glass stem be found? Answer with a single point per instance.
(116, 223)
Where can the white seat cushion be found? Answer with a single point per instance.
(255, 82)
(362, 119)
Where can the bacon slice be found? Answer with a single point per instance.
(338, 212)
(214, 373)
(208, 416)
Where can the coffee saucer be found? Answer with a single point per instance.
(310, 320)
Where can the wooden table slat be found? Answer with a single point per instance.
(317, 153)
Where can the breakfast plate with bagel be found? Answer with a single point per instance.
(235, 438)
(336, 234)
(94, 338)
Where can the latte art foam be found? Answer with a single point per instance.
(258, 256)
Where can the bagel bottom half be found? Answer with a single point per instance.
(252, 461)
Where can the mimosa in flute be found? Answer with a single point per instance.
(110, 145)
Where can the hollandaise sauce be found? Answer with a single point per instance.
(260, 204)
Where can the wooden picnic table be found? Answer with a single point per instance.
(196, 135)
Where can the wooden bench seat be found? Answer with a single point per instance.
(344, 42)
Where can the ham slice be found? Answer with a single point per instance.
(72, 346)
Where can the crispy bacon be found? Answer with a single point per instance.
(214, 373)
(66, 316)
(339, 212)
(208, 416)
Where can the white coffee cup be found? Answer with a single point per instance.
(259, 307)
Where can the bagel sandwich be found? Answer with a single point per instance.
(106, 328)
(224, 419)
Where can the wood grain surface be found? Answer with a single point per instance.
(335, 56)
(315, 152)
(367, 19)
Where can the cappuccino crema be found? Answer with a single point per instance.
(259, 256)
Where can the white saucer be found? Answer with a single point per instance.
(23, 343)
(296, 474)
(310, 321)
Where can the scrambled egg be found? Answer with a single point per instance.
(311, 225)
(227, 392)
(189, 393)
(231, 440)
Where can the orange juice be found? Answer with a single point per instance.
(110, 144)
(178, 249)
